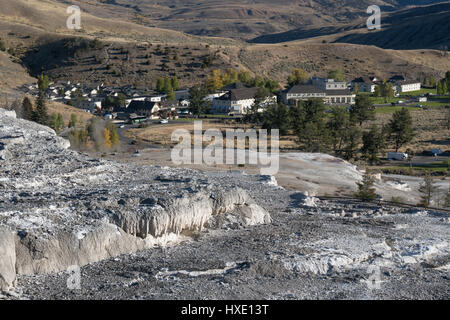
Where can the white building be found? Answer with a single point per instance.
(407, 86)
(329, 84)
(238, 101)
(365, 84)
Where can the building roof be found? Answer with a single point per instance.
(403, 83)
(397, 78)
(301, 88)
(341, 92)
(239, 94)
(232, 86)
(364, 79)
(141, 105)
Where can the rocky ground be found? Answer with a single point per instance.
(149, 232)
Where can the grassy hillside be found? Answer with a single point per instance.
(121, 52)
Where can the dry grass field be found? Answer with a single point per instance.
(431, 129)
(430, 125)
(67, 111)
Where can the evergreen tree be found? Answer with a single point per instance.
(55, 122)
(60, 121)
(167, 85)
(275, 118)
(445, 88)
(160, 85)
(366, 191)
(73, 121)
(373, 144)
(27, 109)
(171, 94)
(311, 127)
(40, 114)
(43, 82)
(362, 110)
(427, 189)
(253, 115)
(355, 88)
(198, 103)
(352, 139)
(432, 82)
(175, 83)
(400, 128)
(338, 125)
(440, 90)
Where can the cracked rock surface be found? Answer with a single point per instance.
(143, 232)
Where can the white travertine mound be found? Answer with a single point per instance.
(66, 209)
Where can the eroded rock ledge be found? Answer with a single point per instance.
(59, 208)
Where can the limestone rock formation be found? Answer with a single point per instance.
(67, 209)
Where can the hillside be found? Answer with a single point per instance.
(239, 19)
(119, 52)
(411, 28)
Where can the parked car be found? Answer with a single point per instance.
(397, 156)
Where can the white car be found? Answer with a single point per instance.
(164, 121)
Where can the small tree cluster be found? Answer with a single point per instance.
(366, 190)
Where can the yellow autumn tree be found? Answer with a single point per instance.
(215, 81)
(107, 136)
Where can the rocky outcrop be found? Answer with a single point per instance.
(64, 208)
(7, 259)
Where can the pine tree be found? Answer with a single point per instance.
(440, 90)
(444, 87)
(373, 143)
(175, 83)
(73, 120)
(60, 121)
(427, 189)
(160, 85)
(362, 110)
(40, 114)
(171, 94)
(167, 85)
(27, 109)
(43, 82)
(54, 122)
(198, 104)
(352, 138)
(366, 191)
(400, 128)
(432, 81)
